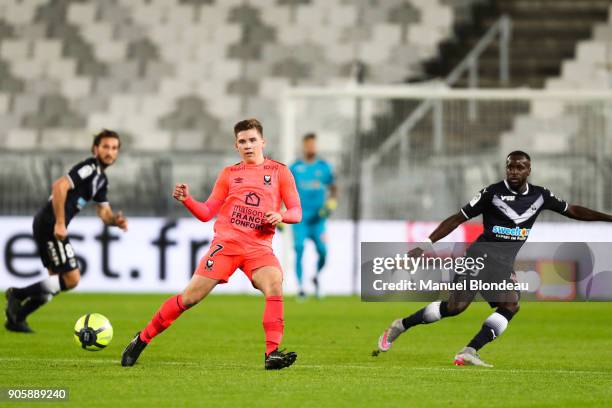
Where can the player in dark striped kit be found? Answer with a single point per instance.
(509, 209)
(86, 181)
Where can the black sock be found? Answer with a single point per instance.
(493, 327)
(31, 304)
(413, 319)
(32, 290)
(48, 286)
(484, 336)
(429, 314)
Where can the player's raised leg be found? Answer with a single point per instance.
(491, 329)
(457, 303)
(21, 302)
(197, 289)
(269, 280)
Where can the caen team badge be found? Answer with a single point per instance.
(209, 264)
(267, 180)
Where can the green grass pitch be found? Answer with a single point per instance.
(553, 355)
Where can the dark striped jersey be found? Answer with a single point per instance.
(508, 215)
(88, 182)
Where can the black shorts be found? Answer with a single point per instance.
(57, 256)
(496, 270)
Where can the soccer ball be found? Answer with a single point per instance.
(93, 332)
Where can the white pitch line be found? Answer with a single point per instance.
(321, 366)
(466, 370)
(88, 360)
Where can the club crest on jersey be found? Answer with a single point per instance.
(508, 198)
(209, 264)
(267, 180)
(475, 199)
(252, 199)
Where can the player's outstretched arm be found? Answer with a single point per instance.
(108, 217)
(580, 213)
(202, 211)
(447, 226)
(59, 191)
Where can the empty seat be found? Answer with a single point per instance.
(42, 86)
(189, 140)
(21, 139)
(62, 69)
(89, 104)
(15, 49)
(29, 32)
(152, 141)
(125, 104)
(97, 33)
(82, 13)
(20, 13)
(111, 51)
(25, 103)
(4, 103)
(65, 139)
(592, 52)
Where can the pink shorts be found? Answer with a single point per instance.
(217, 265)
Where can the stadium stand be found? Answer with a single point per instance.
(232, 58)
(174, 76)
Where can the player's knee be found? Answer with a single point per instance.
(322, 253)
(272, 286)
(70, 281)
(191, 298)
(321, 247)
(455, 308)
(512, 307)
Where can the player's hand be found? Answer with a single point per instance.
(273, 218)
(330, 206)
(60, 232)
(423, 248)
(120, 221)
(181, 192)
(415, 252)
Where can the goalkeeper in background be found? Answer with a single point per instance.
(315, 184)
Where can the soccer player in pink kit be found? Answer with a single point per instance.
(247, 199)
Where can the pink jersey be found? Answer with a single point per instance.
(248, 192)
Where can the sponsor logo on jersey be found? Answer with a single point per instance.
(508, 198)
(267, 180)
(512, 232)
(238, 180)
(248, 217)
(252, 199)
